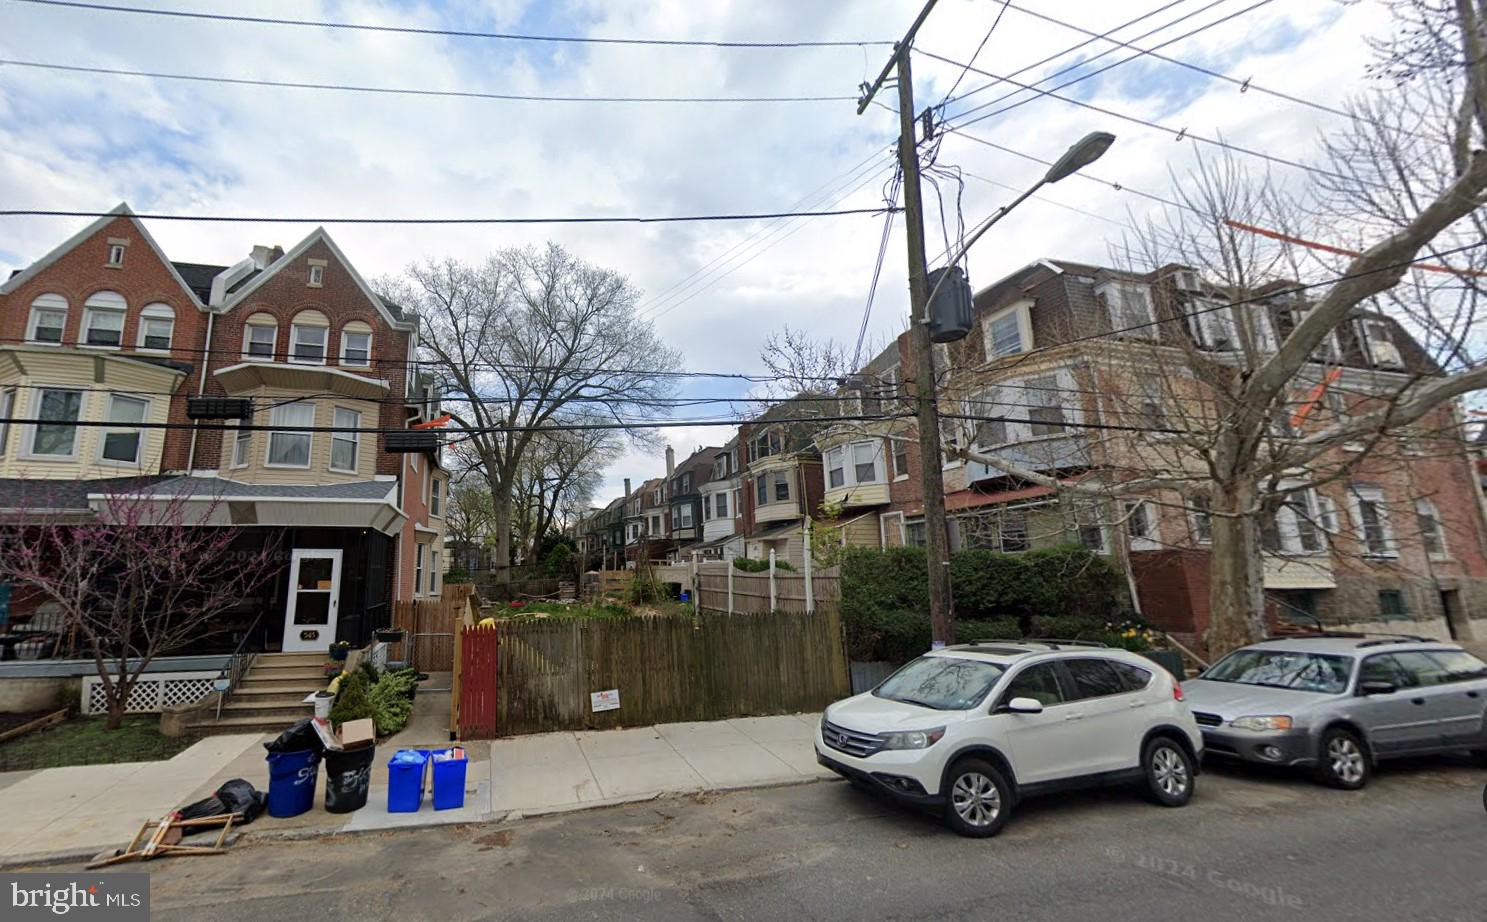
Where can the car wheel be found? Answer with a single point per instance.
(1169, 772)
(1344, 761)
(977, 798)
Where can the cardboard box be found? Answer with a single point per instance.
(355, 734)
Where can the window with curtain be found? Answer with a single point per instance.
(287, 447)
(56, 433)
(122, 444)
(344, 445)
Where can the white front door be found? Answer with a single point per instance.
(314, 597)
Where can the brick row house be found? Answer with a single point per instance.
(1087, 373)
(106, 329)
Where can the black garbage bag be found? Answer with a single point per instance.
(299, 738)
(235, 796)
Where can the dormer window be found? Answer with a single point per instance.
(1129, 304)
(48, 319)
(1379, 345)
(1007, 332)
(317, 274)
(115, 254)
(103, 319)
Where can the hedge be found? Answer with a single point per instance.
(1065, 591)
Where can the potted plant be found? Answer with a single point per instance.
(340, 650)
(389, 634)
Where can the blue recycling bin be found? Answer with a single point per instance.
(291, 782)
(449, 779)
(405, 780)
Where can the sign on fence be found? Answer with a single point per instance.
(605, 700)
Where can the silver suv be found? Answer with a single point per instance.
(1338, 703)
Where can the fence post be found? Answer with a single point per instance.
(730, 587)
(696, 587)
(772, 602)
(810, 594)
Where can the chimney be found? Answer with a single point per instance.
(627, 487)
(264, 256)
(670, 462)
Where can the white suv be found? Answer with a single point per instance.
(968, 730)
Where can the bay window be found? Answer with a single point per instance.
(55, 435)
(1045, 406)
(288, 447)
(242, 443)
(720, 503)
(345, 442)
(855, 464)
(122, 444)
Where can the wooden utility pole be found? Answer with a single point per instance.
(926, 411)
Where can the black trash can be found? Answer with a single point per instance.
(347, 777)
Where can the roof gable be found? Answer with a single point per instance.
(121, 210)
(319, 235)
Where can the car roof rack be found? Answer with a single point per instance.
(1370, 639)
(1052, 642)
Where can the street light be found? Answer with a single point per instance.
(1085, 151)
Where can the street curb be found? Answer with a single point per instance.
(497, 818)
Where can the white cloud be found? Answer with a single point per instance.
(86, 142)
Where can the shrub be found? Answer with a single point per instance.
(988, 585)
(1069, 627)
(969, 631)
(456, 574)
(390, 701)
(749, 565)
(352, 698)
(1077, 581)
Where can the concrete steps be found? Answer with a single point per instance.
(269, 698)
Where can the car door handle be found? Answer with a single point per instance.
(1075, 716)
(1473, 695)
(1136, 704)
(1417, 701)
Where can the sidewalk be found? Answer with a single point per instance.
(74, 813)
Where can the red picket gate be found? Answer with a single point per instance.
(477, 682)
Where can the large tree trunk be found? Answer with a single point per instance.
(502, 502)
(1236, 592)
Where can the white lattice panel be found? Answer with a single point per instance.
(151, 692)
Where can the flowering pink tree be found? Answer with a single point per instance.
(143, 578)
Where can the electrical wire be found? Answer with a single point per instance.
(404, 91)
(615, 219)
(977, 53)
(872, 290)
(453, 33)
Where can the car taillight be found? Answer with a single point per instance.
(1177, 690)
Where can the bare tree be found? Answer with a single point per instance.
(1235, 434)
(800, 363)
(561, 471)
(532, 341)
(149, 577)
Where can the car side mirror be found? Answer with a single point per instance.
(1378, 687)
(1023, 706)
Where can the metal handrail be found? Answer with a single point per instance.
(237, 664)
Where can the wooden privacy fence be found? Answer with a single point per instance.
(722, 587)
(431, 625)
(665, 669)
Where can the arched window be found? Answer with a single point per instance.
(48, 320)
(308, 333)
(103, 319)
(260, 337)
(356, 344)
(157, 323)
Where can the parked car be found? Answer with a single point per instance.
(970, 730)
(1338, 704)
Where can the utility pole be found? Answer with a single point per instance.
(926, 411)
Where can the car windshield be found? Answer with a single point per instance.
(945, 683)
(1313, 672)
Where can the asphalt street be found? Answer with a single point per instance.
(1252, 845)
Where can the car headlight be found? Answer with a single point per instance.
(913, 739)
(1266, 722)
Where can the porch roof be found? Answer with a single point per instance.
(357, 504)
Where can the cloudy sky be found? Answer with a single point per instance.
(88, 141)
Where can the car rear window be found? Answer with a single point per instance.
(944, 683)
(1095, 678)
(1313, 672)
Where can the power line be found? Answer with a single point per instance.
(407, 91)
(453, 33)
(1177, 134)
(616, 219)
(872, 289)
(977, 53)
(1078, 45)
(1245, 85)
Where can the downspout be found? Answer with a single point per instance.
(201, 389)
